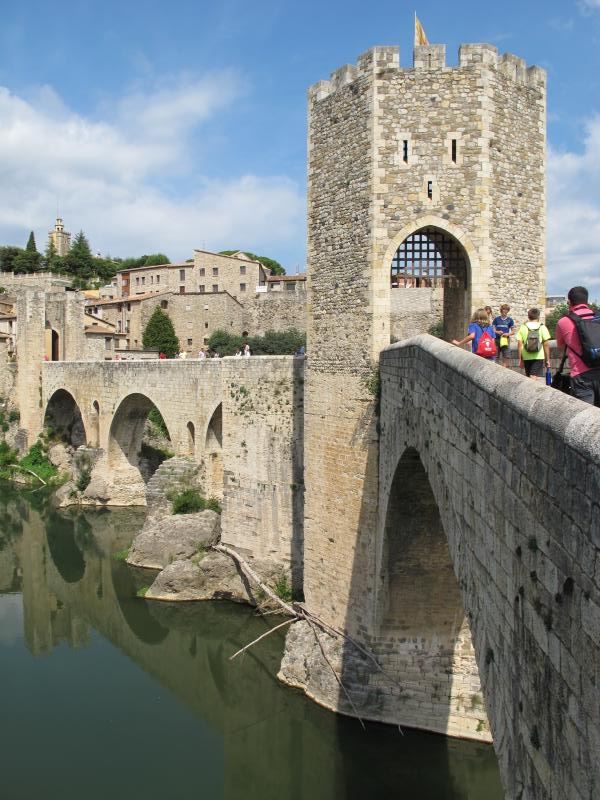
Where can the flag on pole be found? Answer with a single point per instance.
(420, 37)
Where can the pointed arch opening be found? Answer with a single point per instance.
(138, 439)
(429, 277)
(63, 420)
(420, 608)
(191, 438)
(213, 451)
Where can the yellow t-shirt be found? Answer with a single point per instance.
(544, 335)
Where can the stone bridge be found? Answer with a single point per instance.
(114, 399)
(476, 582)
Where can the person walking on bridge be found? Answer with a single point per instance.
(481, 335)
(533, 343)
(578, 333)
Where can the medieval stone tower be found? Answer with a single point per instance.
(425, 191)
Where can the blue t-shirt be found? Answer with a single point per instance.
(503, 326)
(475, 328)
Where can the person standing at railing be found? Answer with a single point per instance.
(578, 333)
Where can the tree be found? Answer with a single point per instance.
(8, 255)
(155, 259)
(79, 261)
(269, 263)
(52, 261)
(559, 311)
(30, 247)
(159, 334)
(28, 260)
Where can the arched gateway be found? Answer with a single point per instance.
(429, 282)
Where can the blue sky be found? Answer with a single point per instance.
(169, 126)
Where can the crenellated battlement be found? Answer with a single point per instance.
(429, 57)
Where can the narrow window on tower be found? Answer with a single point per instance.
(430, 190)
(453, 150)
(405, 151)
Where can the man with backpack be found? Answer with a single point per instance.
(579, 334)
(533, 343)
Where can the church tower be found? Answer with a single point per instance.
(60, 238)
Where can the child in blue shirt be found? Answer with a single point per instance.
(504, 328)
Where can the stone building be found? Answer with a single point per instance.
(60, 238)
(425, 193)
(207, 273)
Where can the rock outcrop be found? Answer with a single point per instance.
(165, 540)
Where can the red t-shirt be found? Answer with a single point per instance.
(567, 336)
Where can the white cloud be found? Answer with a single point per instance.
(574, 215)
(113, 173)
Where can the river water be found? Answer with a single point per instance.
(106, 695)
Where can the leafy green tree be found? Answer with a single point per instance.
(159, 334)
(28, 260)
(272, 343)
(559, 311)
(79, 261)
(155, 259)
(8, 255)
(270, 263)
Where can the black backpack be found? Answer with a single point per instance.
(588, 329)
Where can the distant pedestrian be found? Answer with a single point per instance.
(481, 335)
(161, 355)
(533, 343)
(201, 355)
(247, 350)
(579, 334)
(504, 328)
(490, 313)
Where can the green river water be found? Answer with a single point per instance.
(106, 695)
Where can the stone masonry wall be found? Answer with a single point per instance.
(515, 470)
(263, 487)
(278, 311)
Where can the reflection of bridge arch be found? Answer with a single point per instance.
(134, 610)
(64, 551)
(63, 418)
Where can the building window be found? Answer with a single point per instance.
(137, 280)
(453, 150)
(190, 342)
(181, 274)
(164, 303)
(405, 151)
(158, 278)
(202, 272)
(188, 308)
(107, 343)
(215, 270)
(242, 269)
(206, 324)
(201, 288)
(128, 306)
(151, 278)
(290, 286)
(215, 287)
(143, 280)
(242, 287)
(182, 290)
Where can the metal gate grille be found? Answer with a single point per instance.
(428, 258)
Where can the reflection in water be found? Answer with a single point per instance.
(139, 699)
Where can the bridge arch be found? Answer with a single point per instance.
(427, 273)
(63, 418)
(419, 607)
(213, 452)
(126, 434)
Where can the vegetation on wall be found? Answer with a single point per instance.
(159, 334)
(273, 343)
(189, 501)
(270, 263)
